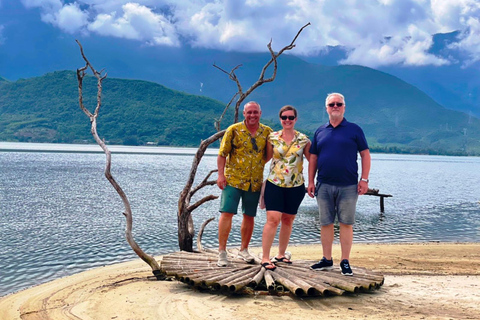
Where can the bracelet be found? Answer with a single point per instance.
(366, 180)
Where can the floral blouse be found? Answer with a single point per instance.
(245, 156)
(286, 170)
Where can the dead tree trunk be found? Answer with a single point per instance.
(185, 222)
(93, 120)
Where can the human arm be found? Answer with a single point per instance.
(366, 163)
(312, 170)
(221, 180)
(269, 151)
(306, 151)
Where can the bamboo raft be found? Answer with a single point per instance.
(200, 271)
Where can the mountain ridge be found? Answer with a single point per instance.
(135, 112)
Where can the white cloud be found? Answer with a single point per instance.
(374, 32)
(137, 22)
(69, 18)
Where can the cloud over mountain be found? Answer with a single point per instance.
(372, 32)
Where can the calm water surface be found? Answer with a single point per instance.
(59, 215)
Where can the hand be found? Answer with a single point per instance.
(362, 187)
(222, 182)
(311, 190)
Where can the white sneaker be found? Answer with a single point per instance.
(222, 259)
(246, 256)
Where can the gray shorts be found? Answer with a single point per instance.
(340, 201)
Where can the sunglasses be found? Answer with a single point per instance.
(254, 144)
(287, 117)
(338, 104)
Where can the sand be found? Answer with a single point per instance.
(422, 281)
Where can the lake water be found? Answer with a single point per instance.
(60, 216)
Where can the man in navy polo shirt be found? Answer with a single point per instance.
(334, 153)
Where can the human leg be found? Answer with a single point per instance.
(228, 208)
(346, 239)
(292, 198)
(285, 232)
(326, 236)
(249, 208)
(326, 206)
(269, 231)
(224, 227)
(346, 204)
(246, 231)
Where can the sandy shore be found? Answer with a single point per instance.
(422, 281)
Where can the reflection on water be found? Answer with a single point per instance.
(59, 215)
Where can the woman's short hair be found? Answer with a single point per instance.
(286, 108)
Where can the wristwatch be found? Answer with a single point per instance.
(366, 180)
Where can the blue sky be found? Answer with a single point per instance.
(374, 33)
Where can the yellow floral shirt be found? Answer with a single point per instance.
(286, 170)
(244, 165)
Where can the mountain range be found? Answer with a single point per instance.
(396, 116)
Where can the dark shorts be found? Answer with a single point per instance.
(285, 200)
(231, 198)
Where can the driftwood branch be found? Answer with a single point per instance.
(204, 183)
(261, 80)
(201, 201)
(93, 119)
(219, 120)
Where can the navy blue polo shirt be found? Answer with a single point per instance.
(337, 150)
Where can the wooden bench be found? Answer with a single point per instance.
(375, 192)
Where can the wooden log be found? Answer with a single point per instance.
(238, 275)
(326, 277)
(298, 281)
(257, 278)
(213, 280)
(360, 275)
(324, 289)
(239, 286)
(290, 285)
(269, 281)
(307, 283)
(233, 285)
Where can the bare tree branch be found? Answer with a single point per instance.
(219, 120)
(93, 119)
(204, 183)
(200, 234)
(201, 201)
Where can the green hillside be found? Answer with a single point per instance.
(45, 109)
(395, 116)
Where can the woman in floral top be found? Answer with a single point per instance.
(285, 188)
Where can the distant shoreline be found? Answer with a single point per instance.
(93, 148)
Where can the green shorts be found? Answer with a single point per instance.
(231, 198)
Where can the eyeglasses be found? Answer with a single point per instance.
(254, 144)
(338, 104)
(287, 117)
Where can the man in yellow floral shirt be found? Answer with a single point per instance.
(240, 162)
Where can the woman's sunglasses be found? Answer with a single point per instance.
(287, 117)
